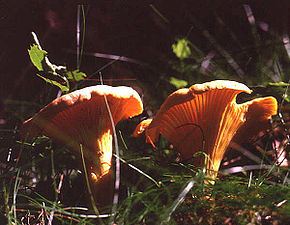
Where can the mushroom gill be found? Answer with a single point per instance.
(205, 118)
(82, 117)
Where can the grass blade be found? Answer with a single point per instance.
(117, 178)
(179, 200)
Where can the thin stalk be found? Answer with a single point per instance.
(78, 35)
(158, 184)
(286, 43)
(54, 187)
(117, 178)
(178, 200)
(84, 32)
(87, 181)
(123, 141)
(285, 179)
(15, 190)
(103, 67)
(159, 13)
(250, 179)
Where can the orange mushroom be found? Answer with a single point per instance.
(141, 127)
(82, 117)
(259, 112)
(205, 118)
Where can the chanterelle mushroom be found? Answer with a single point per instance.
(81, 117)
(205, 117)
(141, 127)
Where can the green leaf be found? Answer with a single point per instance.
(281, 84)
(64, 88)
(76, 75)
(181, 48)
(37, 56)
(178, 83)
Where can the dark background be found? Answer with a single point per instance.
(124, 28)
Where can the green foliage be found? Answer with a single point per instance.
(76, 75)
(262, 61)
(178, 83)
(37, 56)
(64, 88)
(52, 74)
(181, 48)
(279, 84)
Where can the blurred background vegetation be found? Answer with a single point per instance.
(156, 48)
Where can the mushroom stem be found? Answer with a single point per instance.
(215, 119)
(104, 152)
(99, 168)
(81, 118)
(226, 132)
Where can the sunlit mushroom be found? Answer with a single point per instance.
(259, 112)
(141, 127)
(205, 118)
(82, 118)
